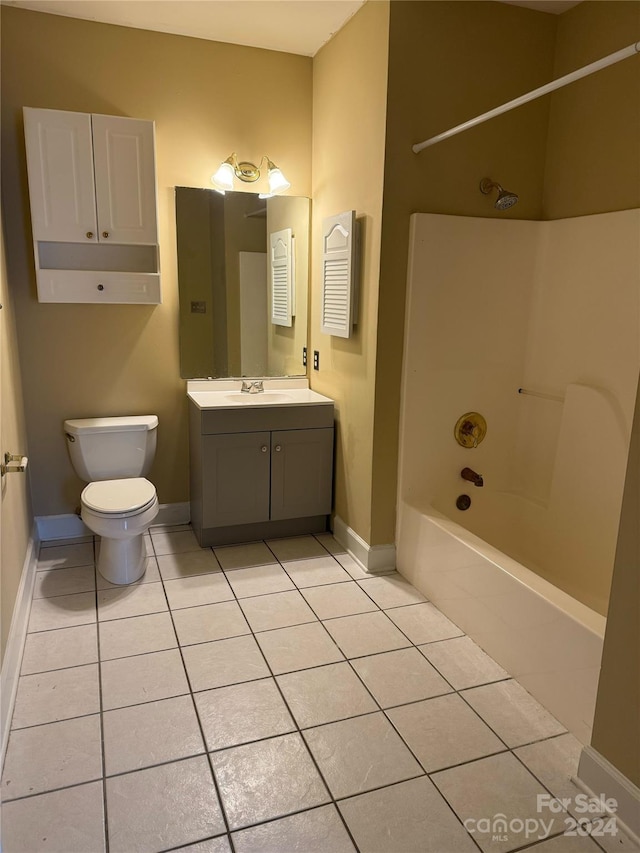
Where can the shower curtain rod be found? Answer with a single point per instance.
(625, 53)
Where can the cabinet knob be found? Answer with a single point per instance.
(278, 448)
(264, 448)
(89, 235)
(105, 233)
(101, 287)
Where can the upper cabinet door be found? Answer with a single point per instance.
(124, 156)
(61, 182)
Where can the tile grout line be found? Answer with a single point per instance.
(102, 740)
(216, 787)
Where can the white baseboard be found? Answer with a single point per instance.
(599, 776)
(373, 558)
(71, 525)
(15, 641)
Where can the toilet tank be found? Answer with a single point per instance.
(112, 448)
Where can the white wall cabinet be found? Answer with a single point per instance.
(92, 187)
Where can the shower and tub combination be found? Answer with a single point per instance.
(524, 567)
(536, 410)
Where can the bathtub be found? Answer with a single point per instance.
(548, 641)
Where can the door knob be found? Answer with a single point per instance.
(264, 448)
(105, 233)
(89, 235)
(278, 448)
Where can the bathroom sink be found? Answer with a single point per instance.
(229, 399)
(261, 398)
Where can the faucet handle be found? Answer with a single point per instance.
(246, 385)
(258, 385)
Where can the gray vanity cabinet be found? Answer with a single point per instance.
(259, 472)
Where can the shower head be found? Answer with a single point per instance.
(505, 199)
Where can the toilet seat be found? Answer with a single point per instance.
(119, 498)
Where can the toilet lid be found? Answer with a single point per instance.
(131, 494)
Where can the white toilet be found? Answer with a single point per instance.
(119, 504)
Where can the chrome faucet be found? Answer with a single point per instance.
(254, 386)
(472, 477)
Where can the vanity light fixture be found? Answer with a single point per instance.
(249, 172)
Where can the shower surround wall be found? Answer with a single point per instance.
(552, 307)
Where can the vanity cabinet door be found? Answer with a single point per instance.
(61, 182)
(235, 478)
(301, 473)
(124, 153)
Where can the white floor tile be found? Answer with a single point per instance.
(296, 548)
(70, 540)
(340, 599)
(145, 678)
(259, 580)
(174, 542)
(138, 635)
(391, 591)
(63, 611)
(443, 732)
(328, 541)
(134, 600)
(66, 556)
(325, 694)
(71, 820)
(52, 582)
(398, 677)
(224, 662)
(153, 733)
(187, 564)
(59, 695)
(463, 663)
(316, 571)
(499, 785)
(163, 807)
(411, 817)
(243, 556)
(211, 845)
(55, 755)
(200, 589)
(424, 623)
(279, 610)
(554, 762)
(242, 713)
(210, 622)
(365, 634)
(299, 647)
(513, 713)
(360, 754)
(268, 779)
(566, 844)
(316, 831)
(151, 575)
(65, 647)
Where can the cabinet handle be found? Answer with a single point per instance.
(264, 448)
(89, 235)
(278, 448)
(105, 233)
(101, 287)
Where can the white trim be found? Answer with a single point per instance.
(373, 558)
(16, 639)
(599, 776)
(71, 525)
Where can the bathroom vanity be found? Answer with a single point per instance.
(261, 465)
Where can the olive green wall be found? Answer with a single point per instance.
(449, 62)
(207, 99)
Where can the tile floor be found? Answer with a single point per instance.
(268, 697)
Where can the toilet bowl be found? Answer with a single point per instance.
(119, 503)
(120, 512)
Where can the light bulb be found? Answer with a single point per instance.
(223, 178)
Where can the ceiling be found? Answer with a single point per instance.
(292, 26)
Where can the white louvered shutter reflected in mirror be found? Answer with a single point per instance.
(281, 276)
(339, 274)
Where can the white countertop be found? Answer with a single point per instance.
(226, 394)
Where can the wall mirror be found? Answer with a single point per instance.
(243, 278)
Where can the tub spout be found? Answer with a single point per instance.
(472, 477)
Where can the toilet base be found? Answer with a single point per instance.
(122, 561)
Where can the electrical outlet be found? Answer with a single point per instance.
(304, 356)
(198, 307)
(316, 360)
